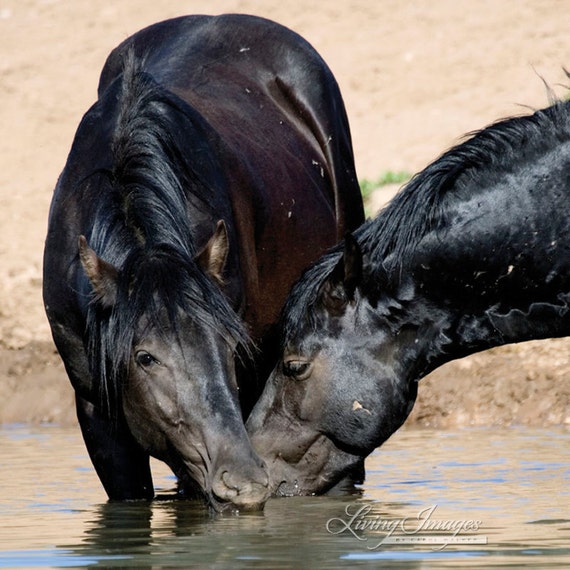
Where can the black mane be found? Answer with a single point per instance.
(152, 179)
(389, 239)
(419, 207)
(144, 228)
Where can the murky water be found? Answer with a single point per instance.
(432, 499)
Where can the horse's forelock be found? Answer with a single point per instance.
(156, 288)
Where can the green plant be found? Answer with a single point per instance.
(388, 177)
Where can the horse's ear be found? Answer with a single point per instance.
(102, 275)
(340, 287)
(213, 256)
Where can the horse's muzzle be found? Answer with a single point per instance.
(243, 491)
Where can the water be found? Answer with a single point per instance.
(504, 494)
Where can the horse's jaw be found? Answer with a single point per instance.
(321, 468)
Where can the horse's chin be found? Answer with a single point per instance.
(323, 468)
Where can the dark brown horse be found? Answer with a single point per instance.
(214, 167)
(473, 253)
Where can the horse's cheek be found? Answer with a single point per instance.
(148, 407)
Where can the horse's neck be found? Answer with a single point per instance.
(438, 331)
(497, 271)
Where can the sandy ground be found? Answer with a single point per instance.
(415, 78)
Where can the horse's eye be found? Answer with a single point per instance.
(145, 359)
(297, 369)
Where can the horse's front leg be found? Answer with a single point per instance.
(122, 466)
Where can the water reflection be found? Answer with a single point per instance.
(179, 533)
(514, 482)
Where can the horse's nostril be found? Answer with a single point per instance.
(232, 489)
(235, 487)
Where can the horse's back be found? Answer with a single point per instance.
(192, 51)
(236, 69)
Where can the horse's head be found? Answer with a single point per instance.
(345, 381)
(167, 341)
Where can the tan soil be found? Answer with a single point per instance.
(415, 76)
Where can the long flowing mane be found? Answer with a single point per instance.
(144, 228)
(389, 239)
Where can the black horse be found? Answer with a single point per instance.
(215, 166)
(473, 253)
